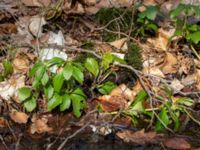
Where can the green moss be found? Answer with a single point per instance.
(133, 56)
(122, 24)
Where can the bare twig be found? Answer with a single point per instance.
(73, 135)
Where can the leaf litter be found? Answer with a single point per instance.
(164, 63)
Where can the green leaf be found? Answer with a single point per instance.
(49, 91)
(58, 82)
(92, 66)
(66, 102)
(8, 68)
(67, 71)
(24, 93)
(54, 102)
(106, 88)
(177, 11)
(35, 68)
(78, 74)
(196, 10)
(140, 97)
(107, 60)
(78, 102)
(195, 37)
(45, 79)
(38, 76)
(163, 115)
(150, 12)
(55, 61)
(185, 101)
(30, 104)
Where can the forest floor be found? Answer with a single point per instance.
(107, 74)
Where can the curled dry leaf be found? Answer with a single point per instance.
(170, 64)
(39, 125)
(21, 63)
(123, 91)
(140, 137)
(9, 88)
(19, 117)
(35, 25)
(177, 143)
(111, 103)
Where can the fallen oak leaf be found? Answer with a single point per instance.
(140, 137)
(176, 143)
(19, 117)
(39, 125)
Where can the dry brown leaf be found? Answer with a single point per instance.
(103, 47)
(140, 137)
(21, 63)
(161, 41)
(185, 64)
(3, 122)
(8, 28)
(120, 44)
(36, 3)
(39, 125)
(123, 91)
(170, 64)
(177, 143)
(19, 117)
(111, 103)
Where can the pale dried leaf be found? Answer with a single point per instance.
(35, 25)
(120, 43)
(19, 117)
(176, 85)
(21, 63)
(8, 89)
(155, 71)
(36, 3)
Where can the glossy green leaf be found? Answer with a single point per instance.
(77, 104)
(92, 66)
(54, 102)
(66, 102)
(195, 37)
(38, 76)
(45, 79)
(35, 68)
(58, 82)
(107, 60)
(24, 93)
(163, 116)
(80, 92)
(140, 97)
(55, 61)
(30, 104)
(106, 88)
(49, 91)
(67, 71)
(78, 75)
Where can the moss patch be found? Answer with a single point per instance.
(133, 56)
